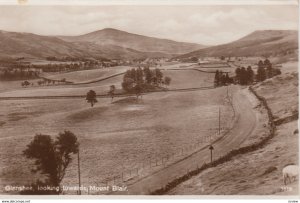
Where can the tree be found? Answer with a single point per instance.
(148, 75)
(139, 76)
(250, 75)
(167, 80)
(52, 157)
(223, 79)
(25, 83)
(217, 78)
(238, 75)
(40, 82)
(91, 97)
(276, 71)
(267, 62)
(159, 75)
(138, 90)
(261, 73)
(243, 76)
(269, 71)
(227, 78)
(260, 63)
(127, 84)
(112, 92)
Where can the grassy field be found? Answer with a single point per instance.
(113, 136)
(88, 75)
(180, 79)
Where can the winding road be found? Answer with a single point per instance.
(244, 126)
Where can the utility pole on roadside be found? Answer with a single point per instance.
(211, 148)
(79, 181)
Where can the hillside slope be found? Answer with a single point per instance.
(27, 45)
(258, 43)
(141, 43)
(93, 45)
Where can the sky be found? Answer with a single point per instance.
(203, 24)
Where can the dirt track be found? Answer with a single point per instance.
(244, 126)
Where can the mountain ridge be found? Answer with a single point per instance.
(24, 44)
(257, 43)
(111, 36)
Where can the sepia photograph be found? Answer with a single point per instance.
(149, 99)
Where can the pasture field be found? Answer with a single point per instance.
(87, 75)
(113, 137)
(180, 79)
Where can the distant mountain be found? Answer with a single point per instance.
(107, 43)
(140, 43)
(30, 45)
(258, 43)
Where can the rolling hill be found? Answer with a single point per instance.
(107, 43)
(15, 44)
(140, 43)
(258, 43)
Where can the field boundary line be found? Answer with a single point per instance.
(106, 95)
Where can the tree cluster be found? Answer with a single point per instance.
(18, 74)
(244, 76)
(266, 70)
(222, 79)
(52, 158)
(138, 79)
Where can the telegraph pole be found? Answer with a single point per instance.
(79, 181)
(211, 148)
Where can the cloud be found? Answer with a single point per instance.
(200, 24)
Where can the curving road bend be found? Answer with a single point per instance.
(244, 126)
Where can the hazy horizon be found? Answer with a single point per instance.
(202, 24)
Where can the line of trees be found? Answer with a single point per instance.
(18, 74)
(246, 76)
(265, 70)
(44, 82)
